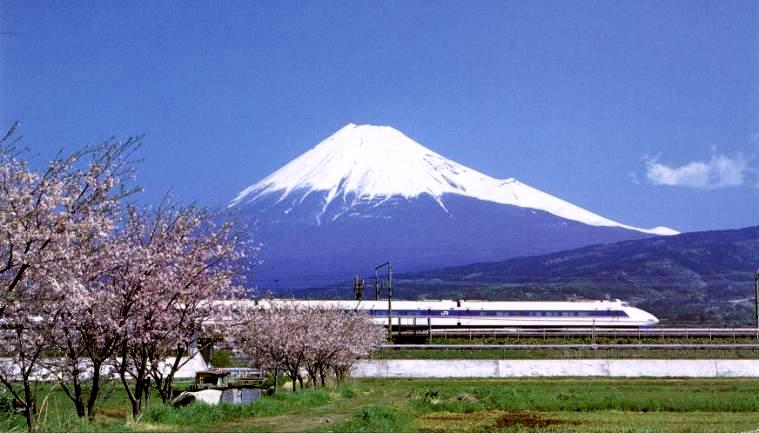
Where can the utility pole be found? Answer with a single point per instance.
(358, 287)
(376, 285)
(389, 300)
(389, 294)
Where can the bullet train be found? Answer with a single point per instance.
(492, 314)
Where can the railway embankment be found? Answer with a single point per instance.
(513, 368)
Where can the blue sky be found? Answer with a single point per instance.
(644, 112)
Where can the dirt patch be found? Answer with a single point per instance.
(448, 422)
(147, 427)
(283, 423)
(447, 417)
(112, 412)
(526, 419)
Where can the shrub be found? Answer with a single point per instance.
(222, 359)
(377, 419)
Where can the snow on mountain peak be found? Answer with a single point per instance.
(377, 162)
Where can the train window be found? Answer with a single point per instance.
(483, 313)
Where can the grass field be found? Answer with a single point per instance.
(431, 406)
(563, 353)
(560, 353)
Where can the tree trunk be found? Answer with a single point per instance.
(29, 405)
(276, 378)
(311, 371)
(93, 398)
(136, 396)
(78, 403)
(294, 377)
(76, 395)
(133, 402)
(165, 389)
(146, 391)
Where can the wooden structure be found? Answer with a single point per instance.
(224, 378)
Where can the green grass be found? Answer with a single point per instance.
(202, 415)
(57, 412)
(586, 395)
(545, 405)
(375, 419)
(559, 353)
(562, 353)
(451, 405)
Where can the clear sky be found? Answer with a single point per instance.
(644, 112)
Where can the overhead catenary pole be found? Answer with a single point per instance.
(389, 300)
(390, 279)
(389, 294)
(358, 287)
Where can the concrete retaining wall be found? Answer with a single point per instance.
(187, 368)
(557, 368)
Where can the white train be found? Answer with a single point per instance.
(494, 314)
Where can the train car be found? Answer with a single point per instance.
(494, 314)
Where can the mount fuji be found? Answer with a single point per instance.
(369, 193)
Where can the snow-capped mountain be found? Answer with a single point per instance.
(368, 162)
(374, 184)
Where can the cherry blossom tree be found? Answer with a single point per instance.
(355, 337)
(358, 340)
(91, 327)
(176, 262)
(86, 281)
(272, 334)
(292, 337)
(210, 267)
(53, 223)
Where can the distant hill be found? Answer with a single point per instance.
(696, 278)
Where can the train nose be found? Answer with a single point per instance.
(652, 320)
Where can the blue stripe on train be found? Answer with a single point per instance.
(497, 313)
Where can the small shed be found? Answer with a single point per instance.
(219, 378)
(210, 379)
(224, 385)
